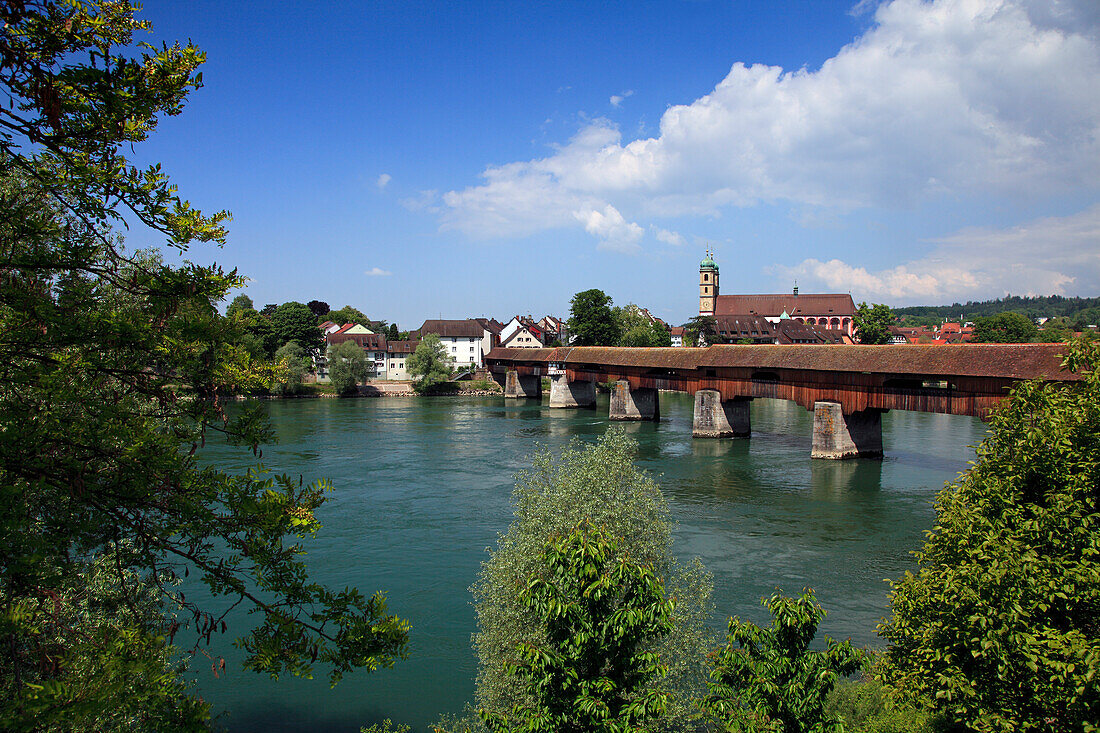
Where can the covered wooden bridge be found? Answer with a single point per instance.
(847, 387)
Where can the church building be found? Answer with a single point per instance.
(739, 316)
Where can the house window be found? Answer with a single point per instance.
(471, 348)
(454, 348)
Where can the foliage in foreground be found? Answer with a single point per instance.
(108, 362)
(598, 483)
(771, 681)
(117, 669)
(868, 706)
(600, 611)
(1000, 626)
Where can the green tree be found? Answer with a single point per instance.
(347, 314)
(591, 320)
(241, 307)
(296, 363)
(295, 322)
(263, 335)
(1055, 331)
(600, 484)
(107, 364)
(873, 323)
(1000, 626)
(318, 308)
(771, 681)
(705, 327)
(347, 367)
(429, 364)
(639, 330)
(868, 706)
(392, 334)
(1005, 328)
(601, 613)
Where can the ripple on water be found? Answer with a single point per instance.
(423, 486)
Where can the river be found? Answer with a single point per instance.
(423, 488)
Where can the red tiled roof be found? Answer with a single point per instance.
(369, 341)
(811, 304)
(1012, 361)
(490, 325)
(466, 328)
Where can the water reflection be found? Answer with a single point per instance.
(846, 480)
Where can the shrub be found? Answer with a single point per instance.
(771, 680)
(1000, 626)
(598, 483)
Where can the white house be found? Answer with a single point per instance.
(521, 333)
(466, 341)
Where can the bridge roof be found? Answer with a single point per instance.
(1011, 361)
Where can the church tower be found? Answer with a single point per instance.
(708, 285)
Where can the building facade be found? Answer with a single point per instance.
(828, 311)
(466, 341)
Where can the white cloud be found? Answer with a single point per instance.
(1052, 255)
(617, 99)
(383, 180)
(377, 272)
(947, 98)
(423, 201)
(669, 237)
(609, 226)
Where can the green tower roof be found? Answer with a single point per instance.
(708, 264)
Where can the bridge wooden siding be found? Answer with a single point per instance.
(977, 377)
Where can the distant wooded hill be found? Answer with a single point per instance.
(1084, 310)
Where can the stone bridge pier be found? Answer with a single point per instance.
(633, 404)
(855, 435)
(517, 385)
(564, 393)
(718, 418)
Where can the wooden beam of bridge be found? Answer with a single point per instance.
(961, 379)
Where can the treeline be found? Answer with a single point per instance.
(594, 320)
(1083, 311)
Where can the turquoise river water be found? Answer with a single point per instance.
(423, 488)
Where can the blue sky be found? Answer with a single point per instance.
(419, 160)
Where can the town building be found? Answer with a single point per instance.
(373, 344)
(397, 356)
(553, 329)
(826, 311)
(522, 333)
(676, 334)
(466, 341)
